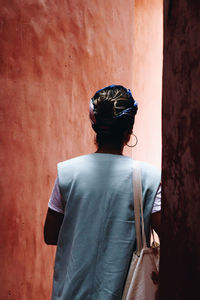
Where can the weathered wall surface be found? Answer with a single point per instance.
(147, 78)
(180, 244)
(54, 56)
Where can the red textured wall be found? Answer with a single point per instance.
(54, 56)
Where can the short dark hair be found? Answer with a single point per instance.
(114, 111)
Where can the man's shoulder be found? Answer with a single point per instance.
(149, 167)
(148, 171)
(73, 161)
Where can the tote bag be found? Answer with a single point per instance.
(145, 261)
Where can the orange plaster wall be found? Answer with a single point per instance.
(147, 78)
(54, 56)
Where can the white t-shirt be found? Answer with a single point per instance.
(55, 201)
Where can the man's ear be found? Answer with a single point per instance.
(127, 136)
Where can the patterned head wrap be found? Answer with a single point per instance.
(118, 105)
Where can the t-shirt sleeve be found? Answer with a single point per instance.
(157, 201)
(55, 201)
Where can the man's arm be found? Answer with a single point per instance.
(156, 212)
(156, 222)
(52, 226)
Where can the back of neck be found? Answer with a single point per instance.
(110, 149)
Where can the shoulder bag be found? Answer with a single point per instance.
(141, 282)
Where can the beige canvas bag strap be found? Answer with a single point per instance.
(138, 207)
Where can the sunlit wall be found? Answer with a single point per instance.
(54, 56)
(147, 78)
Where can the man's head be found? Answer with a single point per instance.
(112, 114)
